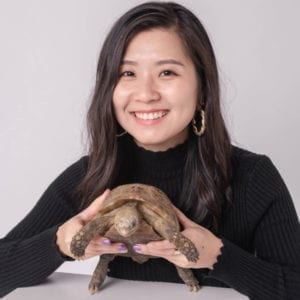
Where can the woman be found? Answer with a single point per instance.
(155, 118)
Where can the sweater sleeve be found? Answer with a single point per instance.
(273, 271)
(28, 253)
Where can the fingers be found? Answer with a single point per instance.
(88, 213)
(183, 219)
(157, 248)
(102, 245)
(164, 251)
(168, 253)
(160, 245)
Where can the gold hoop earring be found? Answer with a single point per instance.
(203, 125)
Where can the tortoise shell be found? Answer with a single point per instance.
(149, 195)
(162, 224)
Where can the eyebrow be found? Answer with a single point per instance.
(159, 63)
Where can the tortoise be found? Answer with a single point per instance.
(132, 214)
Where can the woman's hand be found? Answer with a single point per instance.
(98, 245)
(206, 242)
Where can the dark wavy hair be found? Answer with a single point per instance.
(206, 187)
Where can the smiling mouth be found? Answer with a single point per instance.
(150, 116)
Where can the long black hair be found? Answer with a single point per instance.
(206, 184)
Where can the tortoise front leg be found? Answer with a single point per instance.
(81, 240)
(182, 243)
(188, 278)
(100, 273)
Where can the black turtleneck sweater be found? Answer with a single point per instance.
(260, 231)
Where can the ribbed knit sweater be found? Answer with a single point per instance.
(260, 231)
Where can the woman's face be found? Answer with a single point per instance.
(156, 96)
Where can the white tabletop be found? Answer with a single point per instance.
(74, 286)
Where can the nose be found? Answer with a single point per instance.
(146, 90)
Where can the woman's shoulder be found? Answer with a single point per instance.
(70, 176)
(65, 184)
(75, 170)
(243, 153)
(80, 165)
(247, 164)
(245, 158)
(254, 168)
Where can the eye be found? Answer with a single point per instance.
(167, 73)
(127, 74)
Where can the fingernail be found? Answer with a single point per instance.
(137, 248)
(106, 242)
(122, 248)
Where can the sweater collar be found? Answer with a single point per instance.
(157, 163)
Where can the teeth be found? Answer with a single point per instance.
(151, 116)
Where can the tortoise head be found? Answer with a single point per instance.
(127, 219)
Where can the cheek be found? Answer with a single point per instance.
(182, 90)
(186, 99)
(118, 102)
(120, 96)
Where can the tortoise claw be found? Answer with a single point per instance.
(93, 288)
(194, 286)
(188, 278)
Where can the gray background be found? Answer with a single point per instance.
(48, 57)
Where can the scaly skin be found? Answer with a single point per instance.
(172, 234)
(188, 278)
(81, 240)
(100, 273)
(184, 245)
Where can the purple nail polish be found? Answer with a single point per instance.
(136, 248)
(122, 248)
(106, 242)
